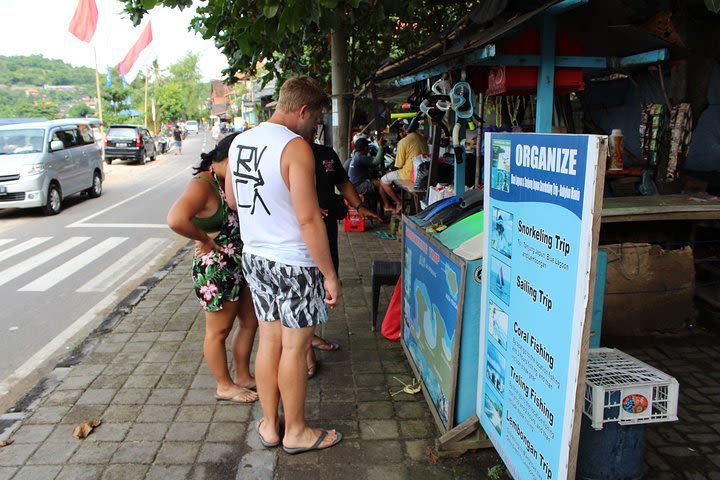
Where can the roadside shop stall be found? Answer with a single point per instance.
(539, 72)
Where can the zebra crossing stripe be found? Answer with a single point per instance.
(115, 272)
(21, 247)
(10, 274)
(3, 241)
(55, 276)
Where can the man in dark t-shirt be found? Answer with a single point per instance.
(329, 174)
(177, 136)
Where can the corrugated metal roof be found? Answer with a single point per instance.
(466, 36)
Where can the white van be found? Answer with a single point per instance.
(192, 126)
(41, 163)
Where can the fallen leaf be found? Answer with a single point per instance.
(5, 443)
(410, 389)
(84, 429)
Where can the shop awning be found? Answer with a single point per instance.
(617, 30)
(467, 36)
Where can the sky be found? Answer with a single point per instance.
(33, 27)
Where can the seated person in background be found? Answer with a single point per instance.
(361, 168)
(408, 147)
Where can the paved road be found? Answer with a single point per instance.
(61, 275)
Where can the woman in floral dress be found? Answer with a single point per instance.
(202, 214)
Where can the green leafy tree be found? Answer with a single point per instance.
(40, 110)
(115, 97)
(186, 74)
(80, 110)
(170, 102)
(293, 36)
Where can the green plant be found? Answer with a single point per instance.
(497, 472)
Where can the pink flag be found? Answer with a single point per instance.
(128, 62)
(85, 20)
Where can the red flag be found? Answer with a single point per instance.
(127, 63)
(85, 20)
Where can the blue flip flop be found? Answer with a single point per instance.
(316, 445)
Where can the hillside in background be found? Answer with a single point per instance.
(36, 70)
(35, 86)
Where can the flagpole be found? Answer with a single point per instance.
(154, 120)
(145, 122)
(97, 91)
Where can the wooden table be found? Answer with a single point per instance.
(688, 207)
(661, 207)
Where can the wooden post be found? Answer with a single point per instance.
(469, 435)
(339, 63)
(546, 76)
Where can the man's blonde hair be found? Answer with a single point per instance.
(299, 91)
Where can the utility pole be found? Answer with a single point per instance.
(340, 120)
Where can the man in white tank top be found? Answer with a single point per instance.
(286, 257)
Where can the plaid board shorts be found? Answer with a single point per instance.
(289, 293)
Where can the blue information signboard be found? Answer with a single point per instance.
(539, 210)
(432, 283)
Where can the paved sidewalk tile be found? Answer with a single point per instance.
(95, 453)
(80, 472)
(37, 472)
(148, 383)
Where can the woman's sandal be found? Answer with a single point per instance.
(233, 396)
(326, 345)
(265, 443)
(316, 445)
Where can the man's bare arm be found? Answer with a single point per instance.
(348, 191)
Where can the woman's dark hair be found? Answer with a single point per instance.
(217, 154)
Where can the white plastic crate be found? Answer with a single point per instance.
(622, 389)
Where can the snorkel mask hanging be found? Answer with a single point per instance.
(461, 98)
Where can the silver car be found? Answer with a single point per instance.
(42, 163)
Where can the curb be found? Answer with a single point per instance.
(14, 416)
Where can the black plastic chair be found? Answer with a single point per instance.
(382, 273)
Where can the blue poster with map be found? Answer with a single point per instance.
(431, 293)
(539, 211)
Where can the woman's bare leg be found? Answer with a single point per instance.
(243, 339)
(217, 328)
